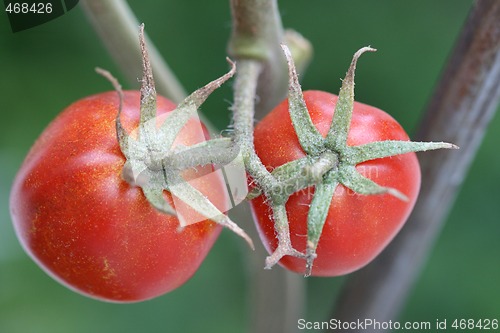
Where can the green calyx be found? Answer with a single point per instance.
(155, 164)
(330, 161)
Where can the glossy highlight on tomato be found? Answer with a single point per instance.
(358, 227)
(88, 228)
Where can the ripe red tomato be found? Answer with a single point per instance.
(358, 227)
(87, 227)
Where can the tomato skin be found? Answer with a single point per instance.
(88, 228)
(357, 227)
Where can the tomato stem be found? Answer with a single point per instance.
(151, 162)
(256, 35)
(285, 247)
(243, 118)
(334, 162)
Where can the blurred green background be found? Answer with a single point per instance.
(46, 68)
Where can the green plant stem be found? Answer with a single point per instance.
(118, 29)
(257, 33)
(466, 99)
(277, 296)
(243, 108)
(245, 89)
(269, 310)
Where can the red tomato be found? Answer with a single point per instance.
(358, 227)
(88, 228)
